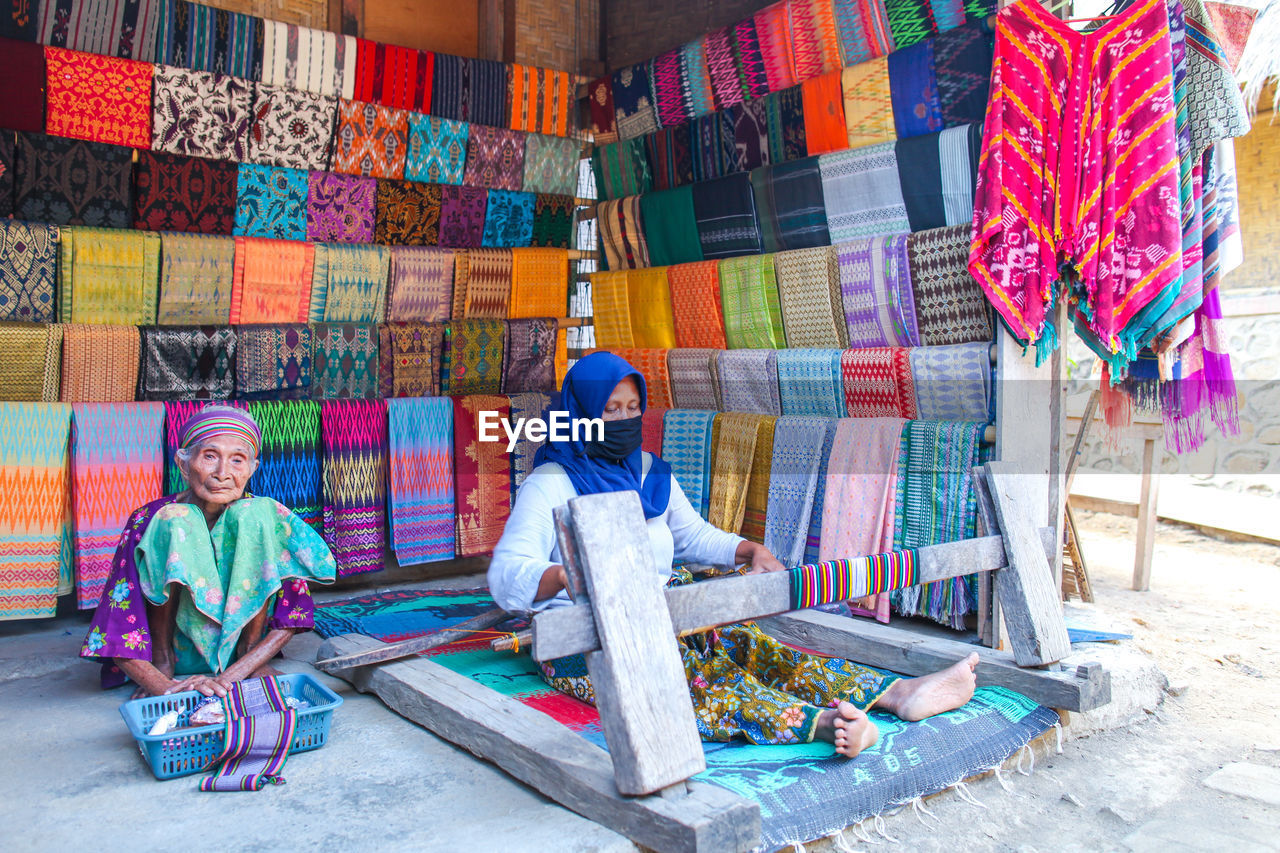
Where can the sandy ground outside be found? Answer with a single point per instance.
(71, 777)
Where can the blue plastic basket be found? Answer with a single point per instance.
(181, 754)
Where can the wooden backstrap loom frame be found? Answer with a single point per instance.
(626, 628)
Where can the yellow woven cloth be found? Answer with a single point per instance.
(539, 283)
(649, 297)
(100, 364)
(461, 273)
(562, 355)
(30, 358)
(809, 291)
(611, 306)
(868, 104)
(488, 285)
(733, 443)
(757, 504)
(109, 275)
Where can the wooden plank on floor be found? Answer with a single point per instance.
(547, 756)
(909, 653)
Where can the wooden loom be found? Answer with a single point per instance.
(626, 627)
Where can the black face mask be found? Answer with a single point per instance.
(621, 439)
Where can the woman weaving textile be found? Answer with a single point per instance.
(207, 585)
(743, 682)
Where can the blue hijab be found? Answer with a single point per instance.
(587, 388)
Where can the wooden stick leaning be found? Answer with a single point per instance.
(417, 645)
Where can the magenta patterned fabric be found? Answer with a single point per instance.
(495, 158)
(462, 212)
(340, 208)
(724, 73)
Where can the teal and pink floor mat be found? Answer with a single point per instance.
(803, 791)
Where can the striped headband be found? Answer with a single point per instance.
(222, 421)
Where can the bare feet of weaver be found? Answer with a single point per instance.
(914, 699)
(848, 728)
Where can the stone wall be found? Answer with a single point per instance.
(1249, 462)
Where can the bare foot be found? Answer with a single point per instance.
(848, 728)
(914, 699)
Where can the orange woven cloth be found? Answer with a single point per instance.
(562, 355)
(272, 281)
(611, 306)
(541, 100)
(539, 283)
(649, 301)
(100, 363)
(824, 122)
(652, 363)
(99, 98)
(695, 304)
(815, 43)
(488, 284)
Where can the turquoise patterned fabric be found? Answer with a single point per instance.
(810, 382)
(686, 447)
(508, 221)
(437, 149)
(271, 202)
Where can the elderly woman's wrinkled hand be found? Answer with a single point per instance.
(207, 685)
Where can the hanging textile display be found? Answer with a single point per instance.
(271, 202)
(192, 35)
(733, 448)
(410, 356)
(176, 193)
(488, 286)
(862, 194)
(407, 213)
(340, 208)
(126, 30)
(788, 127)
(815, 44)
(868, 103)
(508, 219)
(670, 156)
(825, 123)
(604, 129)
(393, 76)
(344, 362)
(686, 447)
(793, 484)
(63, 181)
(272, 282)
(621, 169)
(950, 307)
(116, 465)
(353, 436)
(187, 363)
(935, 503)
(712, 146)
(962, 59)
(419, 284)
(789, 206)
(31, 361)
(1121, 266)
(748, 59)
(482, 476)
(421, 479)
(273, 361)
(749, 296)
(747, 381)
(495, 158)
(611, 306)
(355, 284)
(773, 31)
(863, 30)
(97, 98)
(99, 363)
(541, 100)
(670, 227)
(462, 213)
(529, 357)
(553, 221)
(668, 88)
(878, 383)
(539, 283)
(33, 520)
(757, 504)
(199, 114)
(649, 299)
(810, 298)
(726, 216)
(633, 107)
(938, 180)
(550, 164)
(437, 150)
(810, 382)
(695, 304)
(913, 84)
(308, 59)
(22, 68)
(28, 271)
(910, 21)
(652, 364)
(621, 233)
(875, 282)
(527, 406)
(370, 140)
(952, 383)
(291, 128)
(692, 383)
(108, 276)
(814, 538)
(473, 355)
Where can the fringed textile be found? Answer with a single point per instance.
(878, 383)
(825, 122)
(410, 356)
(28, 271)
(99, 363)
(108, 276)
(692, 373)
(187, 363)
(749, 296)
(437, 149)
(98, 98)
(353, 436)
(63, 181)
(810, 382)
(271, 202)
(696, 306)
(420, 284)
(953, 383)
(747, 381)
(117, 462)
(370, 140)
(344, 362)
(875, 281)
(950, 306)
(482, 476)
(199, 114)
(340, 208)
(862, 194)
(408, 213)
(733, 448)
(273, 361)
(272, 281)
(529, 357)
(176, 193)
(421, 498)
(686, 447)
(473, 352)
(809, 295)
(488, 286)
(793, 484)
(841, 580)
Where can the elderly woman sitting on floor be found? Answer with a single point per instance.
(207, 585)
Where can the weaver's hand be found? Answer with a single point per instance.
(759, 558)
(205, 684)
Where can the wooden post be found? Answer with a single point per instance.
(1148, 497)
(637, 676)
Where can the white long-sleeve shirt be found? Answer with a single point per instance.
(528, 545)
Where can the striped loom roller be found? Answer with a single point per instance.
(841, 580)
